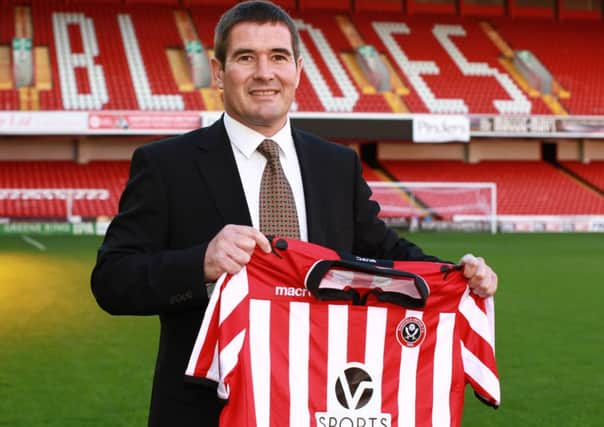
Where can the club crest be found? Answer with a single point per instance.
(410, 332)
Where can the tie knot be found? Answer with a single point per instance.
(269, 149)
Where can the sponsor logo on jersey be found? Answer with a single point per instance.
(357, 404)
(363, 259)
(291, 291)
(411, 331)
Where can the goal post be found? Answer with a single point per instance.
(448, 203)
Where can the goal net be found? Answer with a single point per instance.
(438, 204)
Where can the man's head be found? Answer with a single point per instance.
(257, 64)
(259, 12)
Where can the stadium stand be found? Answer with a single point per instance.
(107, 175)
(523, 188)
(394, 202)
(572, 51)
(592, 172)
(432, 51)
(371, 174)
(549, 191)
(118, 59)
(38, 175)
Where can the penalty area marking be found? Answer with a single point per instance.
(33, 242)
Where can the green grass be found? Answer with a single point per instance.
(64, 362)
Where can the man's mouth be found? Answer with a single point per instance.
(264, 92)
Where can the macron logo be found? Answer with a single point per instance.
(291, 291)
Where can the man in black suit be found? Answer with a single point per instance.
(189, 212)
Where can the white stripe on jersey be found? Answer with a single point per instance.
(407, 380)
(214, 371)
(490, 305)
(233, 294)
(203, 331)
(374, 352)
(229, 357)
(443, 356)
(478, 320)
(299, 334)
(337, 350)
(480, 373)
(260, 326)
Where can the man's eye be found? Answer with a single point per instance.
(280, 58)
(245, 58)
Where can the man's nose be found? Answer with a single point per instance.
(264, 70)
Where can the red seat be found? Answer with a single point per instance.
(592, 172)
(109, 175)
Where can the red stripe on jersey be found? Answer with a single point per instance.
(279, 354)
(480, 302)
(318, 341)
(392, 363)
(357, 325)
(425, 373)
(456, 400)
(243, 399)
(207, 350)
(476, 344)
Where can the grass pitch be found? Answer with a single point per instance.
(66, 363)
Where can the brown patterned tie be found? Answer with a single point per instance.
(278, 216)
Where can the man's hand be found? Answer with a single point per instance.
(231, 249)
(481, 278)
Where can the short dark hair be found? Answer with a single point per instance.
(260, 12)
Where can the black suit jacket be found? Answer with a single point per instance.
(180, 193)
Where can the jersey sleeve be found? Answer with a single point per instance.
(477, 334)
(220, 339)
(203, 360)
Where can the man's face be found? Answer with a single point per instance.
(260, 75)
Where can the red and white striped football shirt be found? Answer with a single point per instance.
(282, 357)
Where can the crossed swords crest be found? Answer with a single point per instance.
(411, 332)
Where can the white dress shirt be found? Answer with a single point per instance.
(250, 163)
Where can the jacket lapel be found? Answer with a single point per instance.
(219, 170)
(312, 187)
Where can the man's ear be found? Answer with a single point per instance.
(299, 64)
(217, 72)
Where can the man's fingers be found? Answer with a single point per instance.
(231, 249)
(261, 240)
(229, 265)
(238, 255)
(247, 238)
(490, 286)
(470, 264)
(480, 272)
(481, 278)
(242, 243)
(487, 287)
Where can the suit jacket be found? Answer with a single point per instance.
(180, 193)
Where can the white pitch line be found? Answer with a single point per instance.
(34, 243)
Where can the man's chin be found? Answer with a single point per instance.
(269, 118)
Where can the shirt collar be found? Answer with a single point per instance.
(246, 140)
